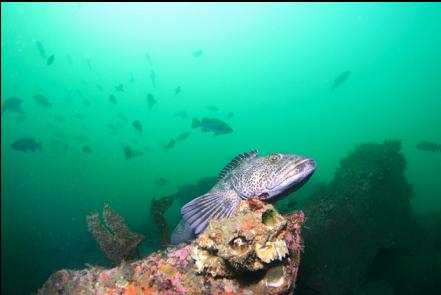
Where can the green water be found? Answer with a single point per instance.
(272, 65)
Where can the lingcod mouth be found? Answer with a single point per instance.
(295, 175)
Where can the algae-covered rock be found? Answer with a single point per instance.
(365, 208)
(256, 251)
(251, 239)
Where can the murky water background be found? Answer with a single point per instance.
(266, 70)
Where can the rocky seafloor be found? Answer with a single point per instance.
(256, 251)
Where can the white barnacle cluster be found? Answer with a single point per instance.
(271, 250)
(247, 241)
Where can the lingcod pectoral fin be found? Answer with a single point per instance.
(201, 210)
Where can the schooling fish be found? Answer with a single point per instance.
(183, 136)
(153, 78)
(216, 126)
(212, 108)
(50, 60)
(177, 90)
(13, 104)
(42, 100)
(41, 50)
(119, 87)
(197, 53)
(248, 175)
(86, 102)
(169, 145)
(87, 149)
(151, 101)
(129, 153)
(26, 144)
(429, 146)
(112, 99)
(88, 61)
(340, 80)
(147, 56)
(137, 125)
(161, 181)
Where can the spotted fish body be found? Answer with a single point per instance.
(247, 176)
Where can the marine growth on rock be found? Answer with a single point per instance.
(256, 251)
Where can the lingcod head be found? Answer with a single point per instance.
(273, 176)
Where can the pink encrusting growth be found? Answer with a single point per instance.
(254, 239)
(182, 254)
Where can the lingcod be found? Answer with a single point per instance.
(248, 175)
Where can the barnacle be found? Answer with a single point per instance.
(239, 245)
(268, 218)
(271, 250)
(256, 238)
(275, 276)
(206, 262)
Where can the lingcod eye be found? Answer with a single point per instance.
(274, 158)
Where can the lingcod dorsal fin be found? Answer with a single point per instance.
(236, 162)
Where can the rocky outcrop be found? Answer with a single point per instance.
(256, 251)
(363, 210)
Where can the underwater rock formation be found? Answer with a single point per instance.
(246, 243)
(364, 209)
(257, 251)
(114, 236)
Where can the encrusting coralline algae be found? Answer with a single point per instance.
(255, 251)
